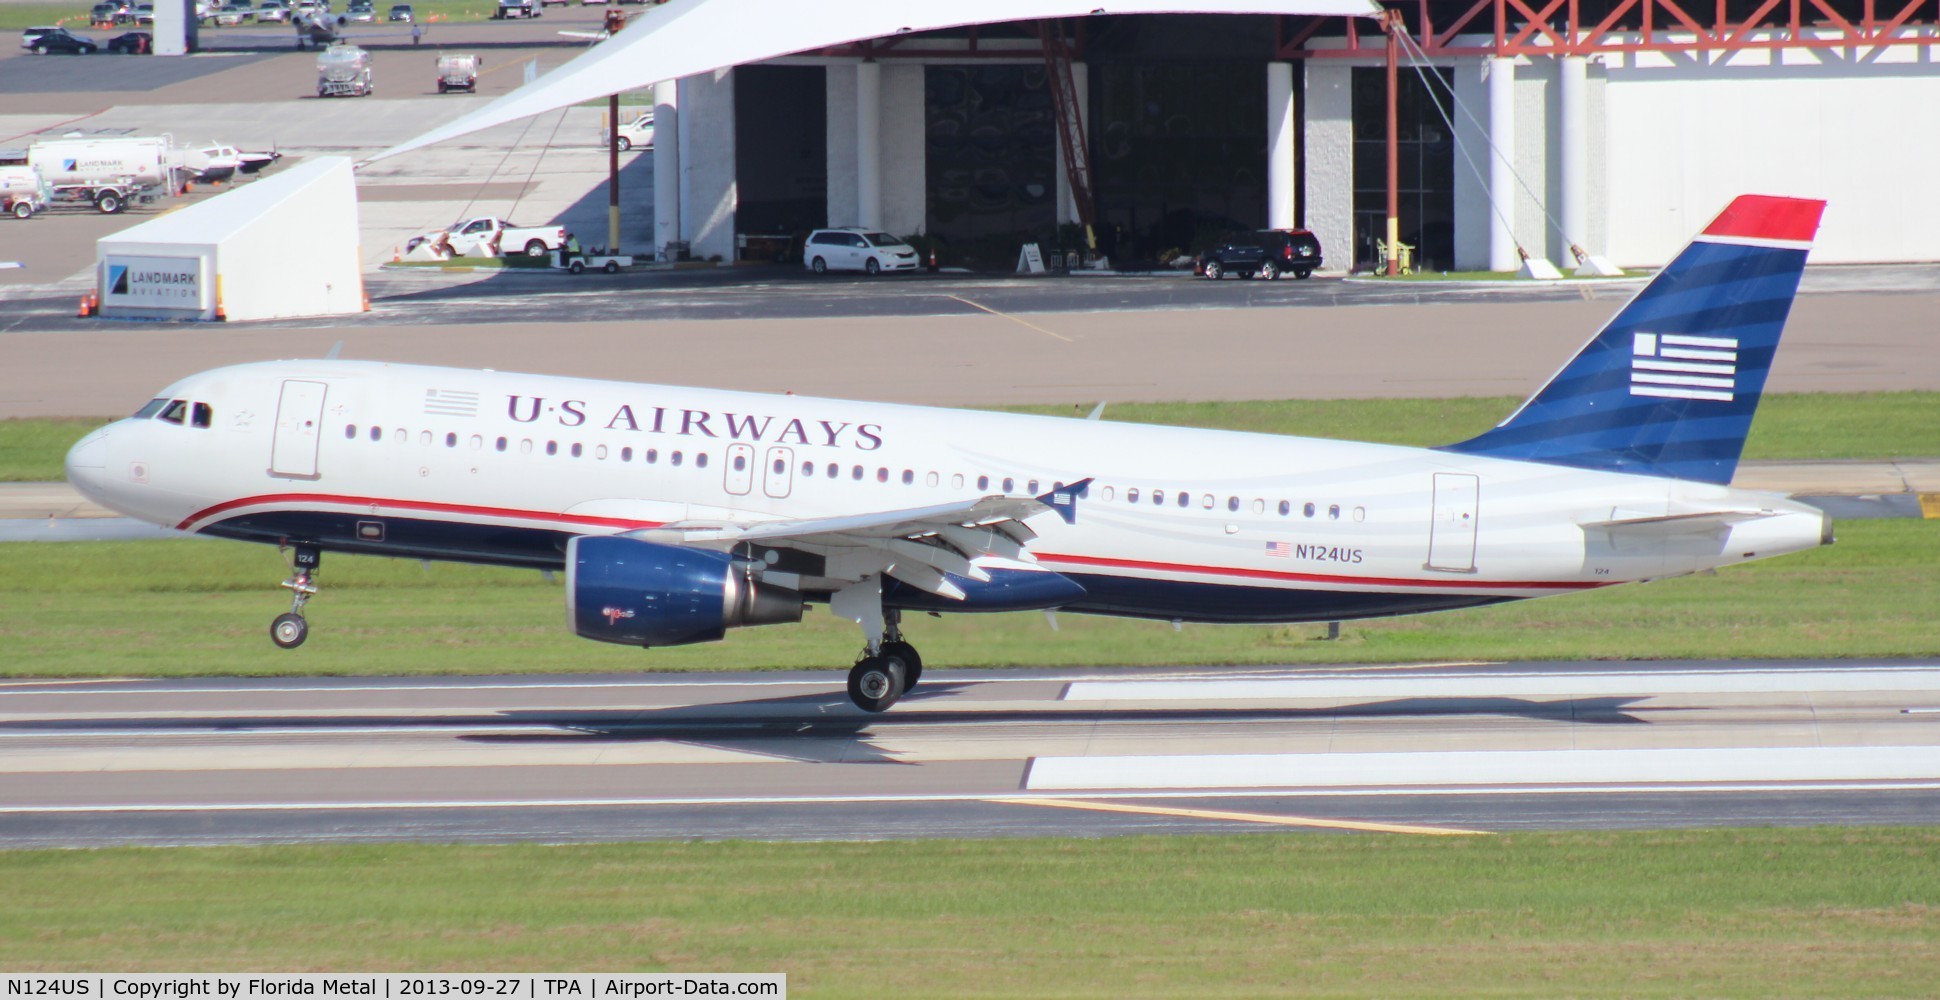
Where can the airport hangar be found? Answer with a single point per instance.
(1625, 124)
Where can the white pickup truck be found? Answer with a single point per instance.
(488, 237)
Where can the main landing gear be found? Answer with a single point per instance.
(289, 630)
(887, 672)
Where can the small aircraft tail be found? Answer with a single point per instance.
(1669, 386)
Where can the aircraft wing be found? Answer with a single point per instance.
(921, 546)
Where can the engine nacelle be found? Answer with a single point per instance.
(639, 593)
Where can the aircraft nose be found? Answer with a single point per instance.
(87, 464)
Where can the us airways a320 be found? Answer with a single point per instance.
(679, 513)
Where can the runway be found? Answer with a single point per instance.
(1390, 750)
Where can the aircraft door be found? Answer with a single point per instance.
(299, 427)
(778, 476)
(1451, 532)
(740, 469)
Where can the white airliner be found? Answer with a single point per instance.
(679, 513)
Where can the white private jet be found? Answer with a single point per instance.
(679, 513)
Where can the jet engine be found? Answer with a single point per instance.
(637, 593)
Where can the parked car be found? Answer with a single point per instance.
(362, 10)
(133, 43)
(638, 132)
(104, 15)
(272, 12)
(62, 41)
(856, 250)
(233, 14)
(27, 37)
(401, 12)
(1264, 254)
(517, 8)
(145, 13)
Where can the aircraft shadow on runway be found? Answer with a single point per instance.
(824, 728)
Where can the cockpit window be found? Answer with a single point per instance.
(203, 415)
(154, 406)
(176, 410)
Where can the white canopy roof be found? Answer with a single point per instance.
(685, 37)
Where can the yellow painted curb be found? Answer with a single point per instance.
(1930, 505)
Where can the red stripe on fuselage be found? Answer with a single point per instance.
(423, 506)
(1102, 562)
(1765, 217)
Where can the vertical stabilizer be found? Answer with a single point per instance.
(1668, 388)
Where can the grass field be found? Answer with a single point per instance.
(1751, 913)
(203, 607)
(1796, 426)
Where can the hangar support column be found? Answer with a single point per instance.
(1502, 176)
(1280, 202)
(666, 164)
(1572, 89)
(708, 193)
(1329, 142)
(174, 27)
(868, 144)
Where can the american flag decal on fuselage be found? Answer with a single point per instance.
(450, 403)
(1673, 366)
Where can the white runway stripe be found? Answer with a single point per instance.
(1489, 767)
(1509, 685)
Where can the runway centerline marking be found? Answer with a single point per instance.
(1249, 817)
(1020, 321)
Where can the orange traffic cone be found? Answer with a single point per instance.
(87, 306)
(932, 260)
(397, 254)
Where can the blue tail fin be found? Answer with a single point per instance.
(1669, 386)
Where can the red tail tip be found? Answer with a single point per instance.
(1767, 217)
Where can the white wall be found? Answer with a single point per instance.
(299, 256)
(708, 195)
(1328, 145)
(1687, 134)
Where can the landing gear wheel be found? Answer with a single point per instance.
(288, 631)
(875, 682)
(1214, 270)
(912, 663)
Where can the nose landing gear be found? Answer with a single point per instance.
(289, 630)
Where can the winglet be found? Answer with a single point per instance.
(1064, 500)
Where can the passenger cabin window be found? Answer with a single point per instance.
(700, 460)
(451, 440)
(653, 456)
(148, 412)
(1286, 507)
(1158, 497)
(1185, 499)
(500, 444)
(376, 433)
(983, 484)
(1010, 485)
(350, 430)
(1131, 494)
(576, 449)
(909, 477)
(204, 416)
(674, 459)
(1333, 511)
(1308, 510)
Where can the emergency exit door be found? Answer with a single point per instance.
(299, 426)
(1451, 532)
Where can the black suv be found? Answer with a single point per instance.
(1266, 253)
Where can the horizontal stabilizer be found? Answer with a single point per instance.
(1681, 524)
